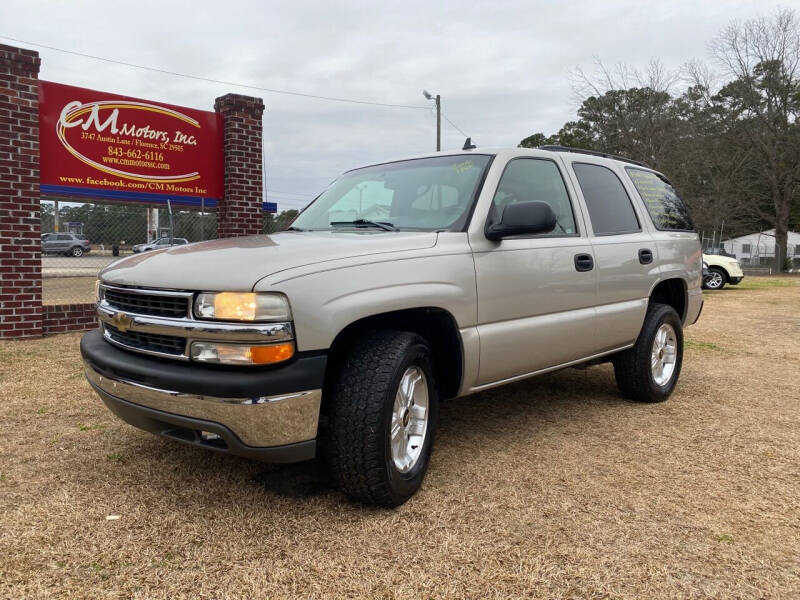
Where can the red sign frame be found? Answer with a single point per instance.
(106, 146)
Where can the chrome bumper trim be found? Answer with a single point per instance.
(263, 421)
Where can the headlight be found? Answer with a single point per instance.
(242, 306)
(241, 354)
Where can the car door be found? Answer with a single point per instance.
(62, 242)
(536, 293)
(624, 249)
(47, 242)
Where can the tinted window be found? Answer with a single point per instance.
(610, 208)
(64, 237)
(664, 205)
(531, 179)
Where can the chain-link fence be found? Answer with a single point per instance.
(79, 240)
(755, 252)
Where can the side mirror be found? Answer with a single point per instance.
(522, 218)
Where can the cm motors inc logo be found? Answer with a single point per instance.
(131, 150)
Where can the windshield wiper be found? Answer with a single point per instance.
(382, 225)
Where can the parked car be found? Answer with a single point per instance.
(69, 244)
(719, 251)
(721, 270)
(339, 338)
(163, 242)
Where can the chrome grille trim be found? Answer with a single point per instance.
(146, 302)
(188, 327)
(107, 335)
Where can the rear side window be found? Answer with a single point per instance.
(610, 208)
(664, 205)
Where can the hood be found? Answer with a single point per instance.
(236, 264)
(717, 258)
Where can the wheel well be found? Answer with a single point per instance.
(437, 326)
(719, 268)
(673, 293)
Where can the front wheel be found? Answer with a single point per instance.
(715, 280)
(383, 415)
(649, 370)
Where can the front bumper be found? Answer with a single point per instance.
(735, 280)
(270, 414)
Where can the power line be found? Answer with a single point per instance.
(211, 80)
(454, 125)
(229, 83)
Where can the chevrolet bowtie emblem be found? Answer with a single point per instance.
(122, 321)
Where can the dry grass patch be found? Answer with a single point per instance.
(553, 487)
(68, 290)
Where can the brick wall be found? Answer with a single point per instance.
(21, 310)
(239, 212)
(59, 318)
(20, 259)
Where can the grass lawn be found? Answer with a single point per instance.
(549, 488)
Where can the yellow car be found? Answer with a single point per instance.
(721, 270)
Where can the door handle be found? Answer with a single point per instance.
(584, 262)
(645, 256)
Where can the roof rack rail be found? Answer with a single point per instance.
(559, 148)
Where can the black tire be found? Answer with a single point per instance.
(76, 251)
(360, 415)
(632, 368)
(716, 279)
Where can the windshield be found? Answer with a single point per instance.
(426, 194)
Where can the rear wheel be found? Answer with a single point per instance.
(716, 279)
(649, 371)
(76, 251)
(383, 414)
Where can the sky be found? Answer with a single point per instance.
(502, 67)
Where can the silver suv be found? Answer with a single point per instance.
(158, 244)
(69, 244)
(403, 285)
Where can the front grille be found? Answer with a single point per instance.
(149, 342)
(147, 304)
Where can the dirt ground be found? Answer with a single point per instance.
(549, 488)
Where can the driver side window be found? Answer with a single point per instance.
(535, 180)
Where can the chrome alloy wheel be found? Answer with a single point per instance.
(409, 419)
(714, 280)
(664, 354)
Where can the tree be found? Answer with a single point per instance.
(273, 224)
(730, 143)
(762, 59)
(538, 139)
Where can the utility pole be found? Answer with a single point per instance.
(438, 123)
(438, 100)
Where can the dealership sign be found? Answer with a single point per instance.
(105, 146)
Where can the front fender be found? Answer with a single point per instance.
(325, 302)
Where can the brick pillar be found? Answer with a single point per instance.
(239, 212)
(20, 250)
